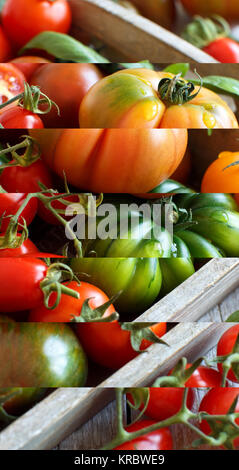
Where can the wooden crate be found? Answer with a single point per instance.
(66, 409)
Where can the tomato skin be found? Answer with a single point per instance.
(225, 50)
(217, 179)
(138, 279)
(156, 440)
(226, 8)
(162, 12)
(108, 345)
(72, 84)
(5, 47)
(204, 377)
(18, 178)
(216, 402)
(9, 205)
(225, 346)
(27, 248)
(68, 306)
(26, 293)
(19, 118)
(11, 82)
(130, 99)
(21, 400)
(29, 64)
(40, 355)
(153, 155)
(39, 15)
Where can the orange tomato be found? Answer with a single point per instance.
(226, 8)
(220, 177)
(115, 160)
(130, 98)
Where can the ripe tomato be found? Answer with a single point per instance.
(11, 82)
(182, 173)
(92, 159)
(5, 47)
(40, 355)
(225, 346)
(160, 11)
(19, 118)
(72, 84)
(224, 50)
(28, 18)
(70, 307)
(29, 64)
(26, 248)
(220, 179)
(165, 402)
(9, 205)
(204, 377)
(226, 8)
(109, 345)
(156, 440)
(19, 178)
(218, 402)
(130, 98)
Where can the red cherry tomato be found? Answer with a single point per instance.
(18, 178)
(5, 47)
(224, 50)
(225, 346)
(156, 440)
(68, 306)
(24, 19)
(29, 64)
(27, 248)
(109, 345)
(218, 402)
(11, 82)
(204, 377)
(9, 205)
(19, 118)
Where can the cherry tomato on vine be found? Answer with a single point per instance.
(19, 178)
(27, 248)
(69, 307)
(11, 82)
(222, 176)
(59, 206)
(27, 18)
(10, 203)
(109, 345)
(204, 376)
(225, 346)
(19, 118)
(156, 440)
(218, 402)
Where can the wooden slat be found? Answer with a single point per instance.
(67, 409)
(131, 34)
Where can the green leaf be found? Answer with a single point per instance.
(63, 47)
(182, 68)
(143, 64)
(234, 317)
(220, 84)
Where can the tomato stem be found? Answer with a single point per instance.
(176, 90)
(31, 154)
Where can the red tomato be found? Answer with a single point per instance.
(226, 345)
(93, 159)
(18, 178)
(27, 18)
(5, 47)
(204, 377)
(225, 50)
(9, 205)
(108, 345)
(46, 214)
(156, 440)
(20, 283)
(29, 64)
(27, 248)
(218, 402)
(68, 306)
(19, 118)
(165, 402)
(67, 91)
(11, 82)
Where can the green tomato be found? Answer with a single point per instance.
(15, 401)
(138, 279)
(199, 247)
(174, 272)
